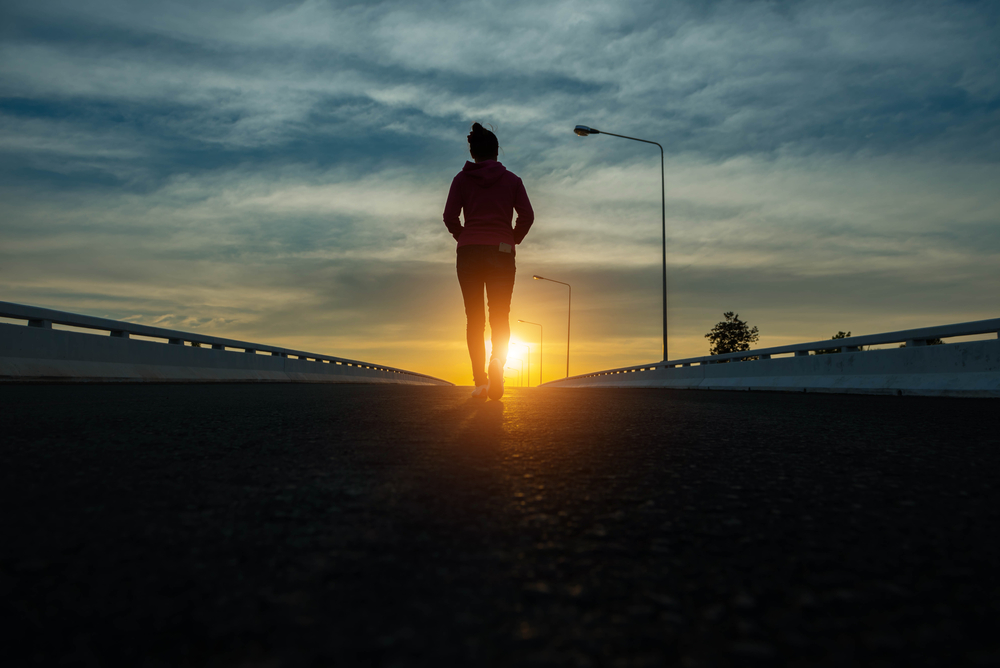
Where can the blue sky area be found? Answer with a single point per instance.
(276, 171)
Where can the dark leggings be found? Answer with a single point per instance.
(480, 266)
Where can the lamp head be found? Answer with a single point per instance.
(583, 131)
(538, 278)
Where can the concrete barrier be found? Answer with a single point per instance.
(966, 369)
(39, 353)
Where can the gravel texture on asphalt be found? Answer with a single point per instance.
(299, 525)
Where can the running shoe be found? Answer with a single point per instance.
(495, 387)
(479, 392)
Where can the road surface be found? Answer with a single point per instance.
(300, 525)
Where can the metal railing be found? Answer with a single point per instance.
(44, 317)
(911, 337)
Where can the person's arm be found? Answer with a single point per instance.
(525, 216)
(452, 208)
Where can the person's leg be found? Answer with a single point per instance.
(499, 288)
(471, 278)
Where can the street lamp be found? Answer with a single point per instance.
(527, 367)
(541, 350)
(583, 131)
(569, 313)
(520, 373)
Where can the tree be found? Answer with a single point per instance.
(838, 335)
(731, 335)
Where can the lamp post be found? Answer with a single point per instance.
(569, 313)
(527, 366)
(583, 131)
(541, 350)
(520, 373)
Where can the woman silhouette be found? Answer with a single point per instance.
(488, 195)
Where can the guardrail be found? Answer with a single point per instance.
(45, 318)
(755, 364)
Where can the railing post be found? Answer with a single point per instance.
(915, 342)
(252, 351)
(218, 346)
(119, 334)
(43, 324)
(802, 353)
(177, 342)
(765, 357)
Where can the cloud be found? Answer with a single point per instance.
(272, 167)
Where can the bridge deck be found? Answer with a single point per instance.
(305, 524)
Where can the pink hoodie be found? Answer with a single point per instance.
(489, 195)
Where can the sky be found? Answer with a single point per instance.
(276, 171)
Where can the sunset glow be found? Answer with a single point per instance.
(278, 174)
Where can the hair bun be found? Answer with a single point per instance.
(482, 142)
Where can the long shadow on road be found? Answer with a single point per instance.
(318, 525)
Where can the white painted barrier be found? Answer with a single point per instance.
(967, 369)
(39, 353)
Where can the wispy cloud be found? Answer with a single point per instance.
(278, 169)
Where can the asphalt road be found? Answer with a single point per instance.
(296, 525)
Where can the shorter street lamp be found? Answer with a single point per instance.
(520, 373)
(540, 349)
(527, 366)
(569, 313)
